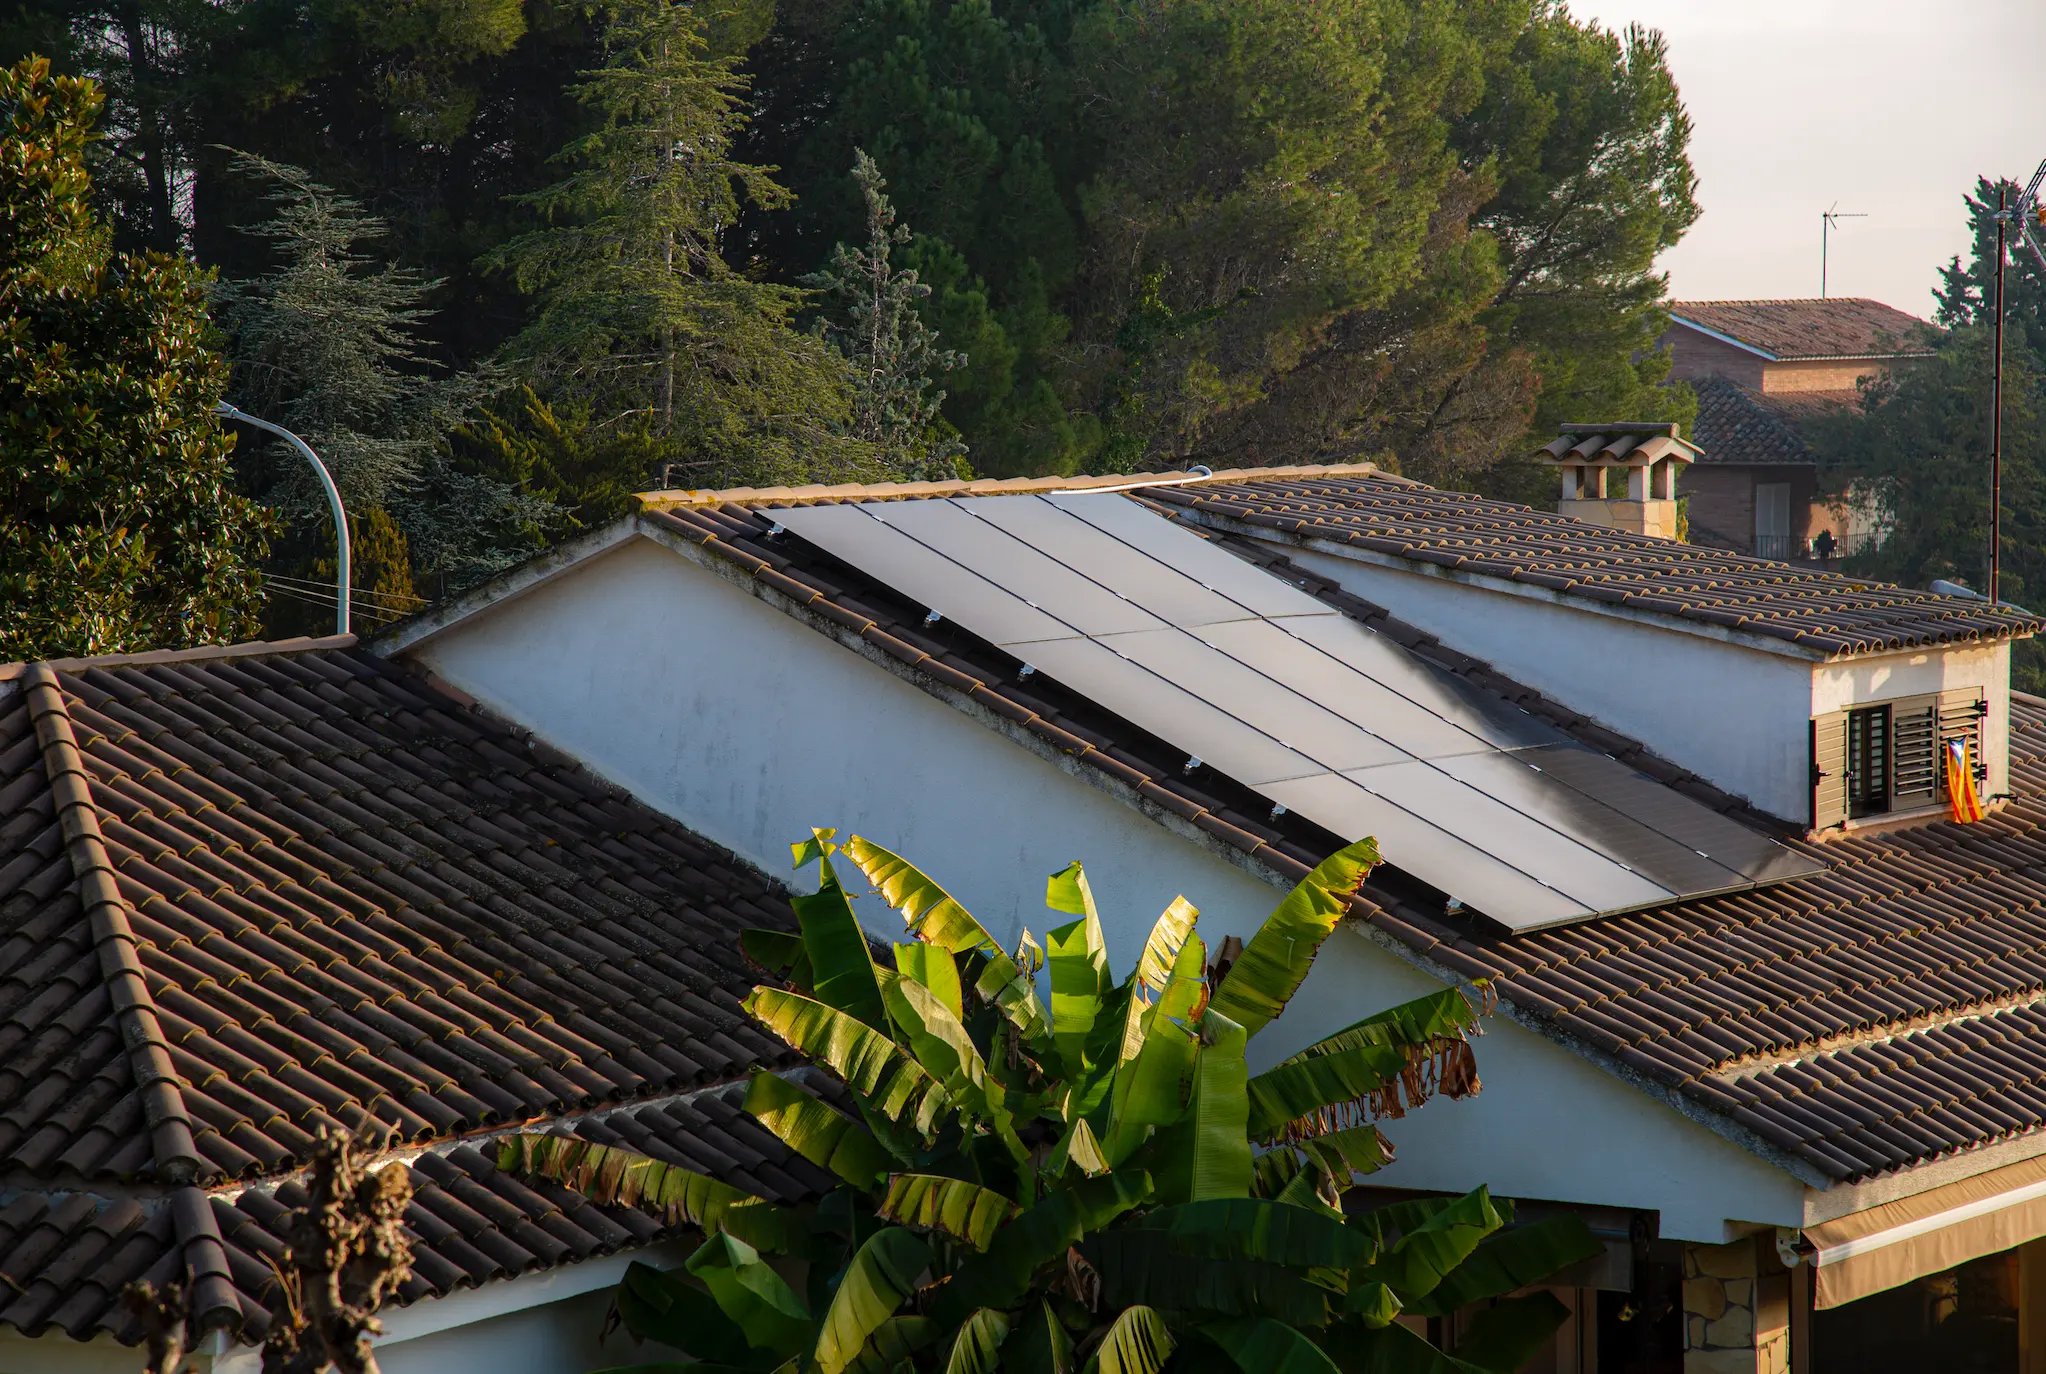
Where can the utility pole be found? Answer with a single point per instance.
(1996, 410)
(1826, 223)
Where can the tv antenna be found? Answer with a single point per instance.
(1827, 222)
(2030, 218)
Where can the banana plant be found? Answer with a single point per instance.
(1048, 1170)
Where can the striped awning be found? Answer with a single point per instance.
(1867, 1252)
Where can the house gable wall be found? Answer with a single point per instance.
(750, 726)
(1734, 715)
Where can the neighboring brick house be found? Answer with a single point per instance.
(1762, 370)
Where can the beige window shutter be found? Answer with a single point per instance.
(1915, 768)
(1960, 717)
(1829, 770)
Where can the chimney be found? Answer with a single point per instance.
(1622, 476)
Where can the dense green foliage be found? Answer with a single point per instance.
(638, 316)
(1040, 1185)
(1918, 445)
(119, 526)
(1238, 230)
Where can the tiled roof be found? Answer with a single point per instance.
(248, 894)
(1739, 425)
(1903, 930)
(65, 1257)
(1825, 612)
(1835, 327)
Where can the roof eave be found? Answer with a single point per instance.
(1724, 338)
(1768, 644)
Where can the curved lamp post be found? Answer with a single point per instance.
(228, 412)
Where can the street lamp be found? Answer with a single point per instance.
(341, 589)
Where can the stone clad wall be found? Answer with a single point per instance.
(1736, 1310)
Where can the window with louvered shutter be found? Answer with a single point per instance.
(1960, 717)
(1916, 767)
(1829, 770)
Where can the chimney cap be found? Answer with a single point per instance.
(1620, 444)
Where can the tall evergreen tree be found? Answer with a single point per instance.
(327, 344)
(638, 315)
(119, 526)
(892, 356)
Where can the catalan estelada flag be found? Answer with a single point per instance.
(1961, 783)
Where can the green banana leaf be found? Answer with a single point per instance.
(818, 1132)
(1147, 1268)
(659, 1306)
(1038, 1343)
(936, 919)
(779, 953)
(1360, 1149)
(611, 1174)
(1260, 1345)
(842, 969)
(965, 1211)
(1507, 1334)
(1077, 1149)
(894, 1343)
(1373, 1304)
(1162, 945)
(930, 912)
(1135, 1343)
(1414, 1264)
(1275, 962)
(1293, 1100)
(1041, 1234)
(1254, 1229)
(891, 1083)
(880, 1278)
(1216, 1116)
(1395, 1349)
(1444, 1015)
(818, 849)
(946, 1052)
(1305, 1190)
(1151, 1090)
(747, 1290)
(1510, 1260)
(935, 969)
(977, 1347)
(1078, 960)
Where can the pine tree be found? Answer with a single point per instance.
(891, 355)
(119, 525)
(327, 344)
(640, 318)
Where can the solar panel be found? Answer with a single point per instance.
(1315, 711)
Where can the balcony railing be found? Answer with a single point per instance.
(1781, 547)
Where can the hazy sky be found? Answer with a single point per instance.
(1890, 107)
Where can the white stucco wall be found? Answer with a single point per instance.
(56, 1353)
(750, 727)
(553, 1338)
(1737, 716)
(1885, 677)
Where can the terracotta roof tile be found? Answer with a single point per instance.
(1825, 612)
(1835, 327)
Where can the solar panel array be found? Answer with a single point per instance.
(1317, 713)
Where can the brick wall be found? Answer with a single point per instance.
(1722, 503)
(1695, 355)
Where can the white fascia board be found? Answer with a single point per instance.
(507, 586)
(495, 1299)
(1712, 333)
